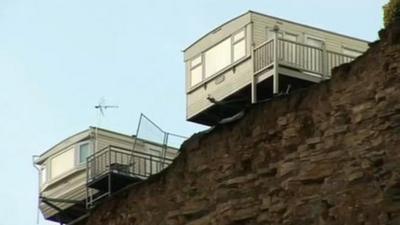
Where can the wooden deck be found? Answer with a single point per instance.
(284, 57)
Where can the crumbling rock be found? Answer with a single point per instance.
(326, 155)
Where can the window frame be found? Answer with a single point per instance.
(233, 43)
(203, 59)
(199, 56)
(223, 68)
(77, 165)
(193, 67)
(78, 162)
(50, 168)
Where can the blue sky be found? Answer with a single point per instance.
(59, 57)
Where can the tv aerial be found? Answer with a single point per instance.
(102, 106)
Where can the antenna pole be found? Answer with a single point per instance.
(101, 109)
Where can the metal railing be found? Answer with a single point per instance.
(114, 167)
(297, 55)
(150, 131)
(113, 159)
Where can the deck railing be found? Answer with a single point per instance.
(263, 56)
(124, 161)
(299, 56)
(336, 59)
(113, 160)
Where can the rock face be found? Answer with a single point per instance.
(326, 155)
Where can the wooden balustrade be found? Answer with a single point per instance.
(299, 56)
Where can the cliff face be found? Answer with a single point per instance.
(329, 154)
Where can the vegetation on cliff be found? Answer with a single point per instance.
(391, 12)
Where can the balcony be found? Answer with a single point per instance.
(273, 67)
(315, 61)
(114, 167)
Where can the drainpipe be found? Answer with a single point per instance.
(34, 160)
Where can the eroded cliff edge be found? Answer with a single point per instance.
(329, 154)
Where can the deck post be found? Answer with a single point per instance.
(253, 75)
(253, 78)
(276, 62)
(87, 182)
(110, 172)
(324, 63)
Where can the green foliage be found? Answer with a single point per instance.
(391, 11)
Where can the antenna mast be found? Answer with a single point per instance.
(101, 110)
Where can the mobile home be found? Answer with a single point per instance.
(255, 56)
(92, 164)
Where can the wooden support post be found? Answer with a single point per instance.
(276, 62)
(253, 78)
(253, 75)
(325, 70)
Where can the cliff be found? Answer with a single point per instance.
(328, 154)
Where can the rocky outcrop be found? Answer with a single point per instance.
(328, 155)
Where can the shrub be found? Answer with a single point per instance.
(391, 12)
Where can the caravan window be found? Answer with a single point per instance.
(84, 150)
(215, 59)
(62, 163)
(239, 36)
(239, 50)
(66, 161)
(195, 62)
(218, 57)
(196, 71)
(239, 45)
